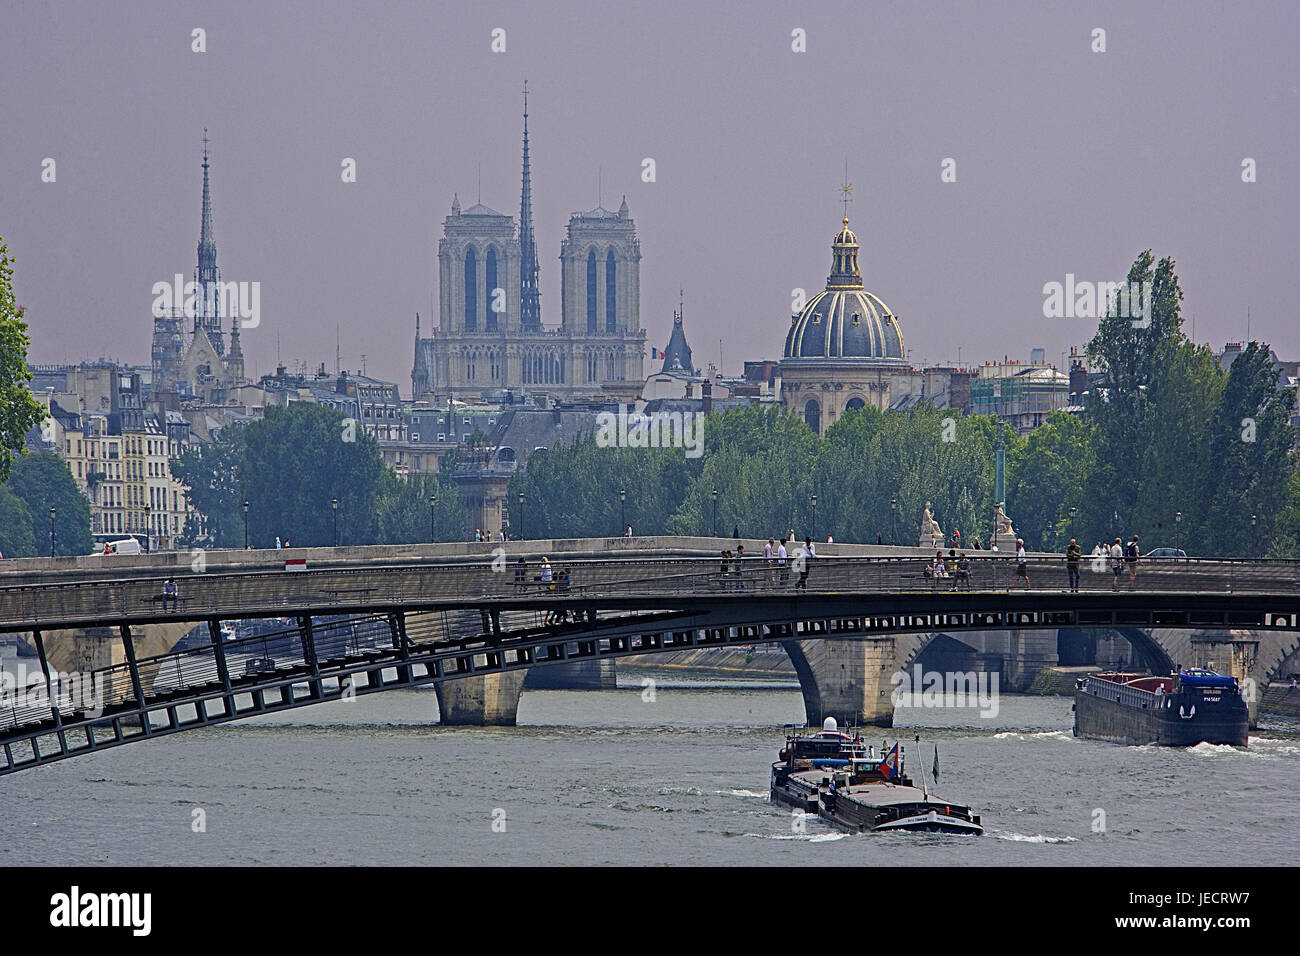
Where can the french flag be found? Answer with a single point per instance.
(889, 766)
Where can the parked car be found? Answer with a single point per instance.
(1166, 553)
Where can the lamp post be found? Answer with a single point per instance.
(715, 512)
(622, 502)
(1073, 512)
(1178, 523)
(148, 527)
(433, 500)
(334, 503)
(521, 516)
(814, 518)
(893, 514)
(1254, 542)
(245, 524)
(51, 532)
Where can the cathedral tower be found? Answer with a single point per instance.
(207, 305)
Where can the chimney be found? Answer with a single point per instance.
(706, 394)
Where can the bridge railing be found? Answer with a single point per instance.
(265, 593)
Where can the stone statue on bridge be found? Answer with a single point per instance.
(1003, 533)
(931, 533)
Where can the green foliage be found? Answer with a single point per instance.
(19, 410)
(212, 475)
(1046, 476)
(402, 509)
(42, 481)
(17, 537)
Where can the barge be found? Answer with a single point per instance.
(840, 779)
(1192, 707)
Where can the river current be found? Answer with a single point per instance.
(598, 777)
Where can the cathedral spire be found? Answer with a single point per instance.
(530, 310)
(207, 306)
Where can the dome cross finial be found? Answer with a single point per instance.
(846, 192)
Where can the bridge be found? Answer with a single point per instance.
(111, 671)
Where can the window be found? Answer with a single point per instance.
(611, 293)
(471, 290)
(591, 291)
(489, 290)
(415, 436)
(442, 437)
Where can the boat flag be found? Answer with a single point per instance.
(936, 763)
(889, 765)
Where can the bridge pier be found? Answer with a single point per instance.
(847, 680)
(490, 700)
(590, 674)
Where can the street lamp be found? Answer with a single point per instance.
(622, 502)
(433, 500)
(814, 518)
(1178, 522)
(334, 503)
(715, 512)
(521, 516)
(51, 532)
(245, 524)
(1073, 512)
(893, 513)
(1254, 542)
(148, 527)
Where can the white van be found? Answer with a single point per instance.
(124, 546)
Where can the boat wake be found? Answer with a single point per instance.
(1037, 838)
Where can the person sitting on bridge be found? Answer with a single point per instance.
(547, 577)
(521, 573)
(963, 571)
(171, 592)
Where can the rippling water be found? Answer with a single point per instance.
(607, 777)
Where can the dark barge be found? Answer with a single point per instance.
(1195, 706)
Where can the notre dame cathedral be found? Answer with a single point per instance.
(490, 333)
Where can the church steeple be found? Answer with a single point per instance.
(530, 306)
(207, 305)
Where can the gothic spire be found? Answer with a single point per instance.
(530, 310)
(207, 311)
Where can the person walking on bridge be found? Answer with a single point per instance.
(1072, 554)
(768, 562)
(806, 554)
(1022, 565)
(1116, 564)
(781, 569)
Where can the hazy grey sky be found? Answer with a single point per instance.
(1067, 161)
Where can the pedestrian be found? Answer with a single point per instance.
(1116, 564)
(768, 562)
(830, 540)
(963, 571)
(956, 538)
(277, 542)
(735, 532)
(286, 544)
(521, 573)
(807, 553)
(725, 568)
(171, 592)
(628, 532)
(1133, 555)
(950, 567)
(1022, 564)
(879, 538)
(547, 577)
(740, 581)
(782, 570)
(975, 543)
(1072, 554)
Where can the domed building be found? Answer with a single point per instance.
(844, 348)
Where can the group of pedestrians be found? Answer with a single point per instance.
(777, 564)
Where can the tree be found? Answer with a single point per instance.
(43, 481)
(17, 540)
(297, 460)
(402, 509)
(213, 478)
(19, 410)
(1046, 476)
